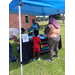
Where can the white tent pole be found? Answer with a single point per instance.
(20, 38)
(43, 22)
(43, 19)
(63, 19)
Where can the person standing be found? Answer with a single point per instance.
(35, 26)
(13, 34)
(36, 45)
(52, 31)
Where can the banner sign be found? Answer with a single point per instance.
(44, 46)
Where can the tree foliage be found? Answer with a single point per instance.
(57, 17)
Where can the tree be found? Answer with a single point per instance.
(38, 19)
(57, 17)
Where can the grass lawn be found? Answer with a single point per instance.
(41, 67)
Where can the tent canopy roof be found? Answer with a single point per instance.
(38, 7)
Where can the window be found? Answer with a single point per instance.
(26, 18)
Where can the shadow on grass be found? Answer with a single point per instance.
(43, 56)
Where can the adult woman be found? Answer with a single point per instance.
(35, 26)
(52, 31)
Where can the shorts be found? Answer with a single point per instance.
(36, 49)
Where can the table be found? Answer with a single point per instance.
(27, 51)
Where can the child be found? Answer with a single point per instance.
(36, 45)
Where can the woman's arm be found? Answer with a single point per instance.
(47, 29)
(38, 26)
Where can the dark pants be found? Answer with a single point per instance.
(10, 53)
(53, 45)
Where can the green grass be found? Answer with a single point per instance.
(41, 67)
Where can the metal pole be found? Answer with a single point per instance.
(43, 19)
(43, 22)
(20, 38)
(63, 19)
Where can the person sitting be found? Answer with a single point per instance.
(13, 33)
(36, 45)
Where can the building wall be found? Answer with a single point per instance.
(14, 21)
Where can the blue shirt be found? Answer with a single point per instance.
(34, 26)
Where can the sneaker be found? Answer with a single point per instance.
(34, 59)
(15, 60)
(39, 59)
(49, 60)
(56, 56)
(15, 57)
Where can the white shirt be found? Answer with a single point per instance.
(13, 32)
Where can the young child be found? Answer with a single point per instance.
(36, 45)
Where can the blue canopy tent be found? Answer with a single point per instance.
(38, 7)
(35, 7)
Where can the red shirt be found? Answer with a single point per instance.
(36, 42)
